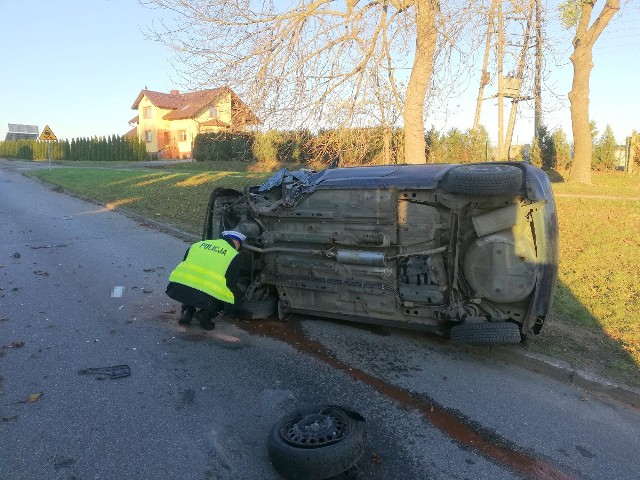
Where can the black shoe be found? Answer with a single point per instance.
(187, 316)
(205, 320)
(207, 324)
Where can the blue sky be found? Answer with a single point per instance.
(78, 65)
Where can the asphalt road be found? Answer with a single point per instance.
(199, 405)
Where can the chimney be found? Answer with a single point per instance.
(175, 92)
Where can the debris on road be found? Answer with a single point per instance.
(116, 371)
(15, 344)
(16, 255)
(51, 246)
(117, 291)
(34, 397)
(317, 442)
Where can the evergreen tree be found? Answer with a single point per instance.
(536, 154)
(561, 150)
(454, 147)
(605, 151)
(478, 144)
(434, 146)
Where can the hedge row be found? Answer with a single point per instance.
(111, 148)
(33, 150)
(356, 146)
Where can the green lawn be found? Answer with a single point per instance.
(171, 196)
(594, 323)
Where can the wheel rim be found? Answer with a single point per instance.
(315, 430)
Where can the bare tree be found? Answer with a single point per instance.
(577, 14)
(315, 63)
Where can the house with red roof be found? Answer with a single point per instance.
(169, 122)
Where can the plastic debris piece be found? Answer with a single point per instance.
(116, 371)
(34, 397)
(50, 245)
(117, 291)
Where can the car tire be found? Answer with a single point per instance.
(486, 333)
(259, 309)
(317, 442)
(485, 179)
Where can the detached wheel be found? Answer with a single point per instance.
(317, 442)
(486, 333)
(484, 179)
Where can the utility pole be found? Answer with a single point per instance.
(501, 155)
(520, 16)
(537, 82)
(515, 93)
(484, 80)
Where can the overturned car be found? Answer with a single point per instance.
(468, 251)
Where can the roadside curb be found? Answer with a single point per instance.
(163, 227)
(564, 372)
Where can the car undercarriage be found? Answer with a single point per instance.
(467, 251)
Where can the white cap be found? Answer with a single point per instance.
(235, 235)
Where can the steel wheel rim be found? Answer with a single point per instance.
(316, 429)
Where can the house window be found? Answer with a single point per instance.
(147, 134)
(213, 112)
(146, 112)
(182, 135)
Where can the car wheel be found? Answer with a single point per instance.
(259, 309)
(485, 179)
(317, 442)
(486, 333)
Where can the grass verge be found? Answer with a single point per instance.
(593, 325)
(174, 197)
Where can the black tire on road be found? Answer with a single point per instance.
(317, 442)
(259, 309)
(486, 333)
(485, 179)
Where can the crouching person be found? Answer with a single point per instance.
(205, 282)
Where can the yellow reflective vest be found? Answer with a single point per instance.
(205, 267)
